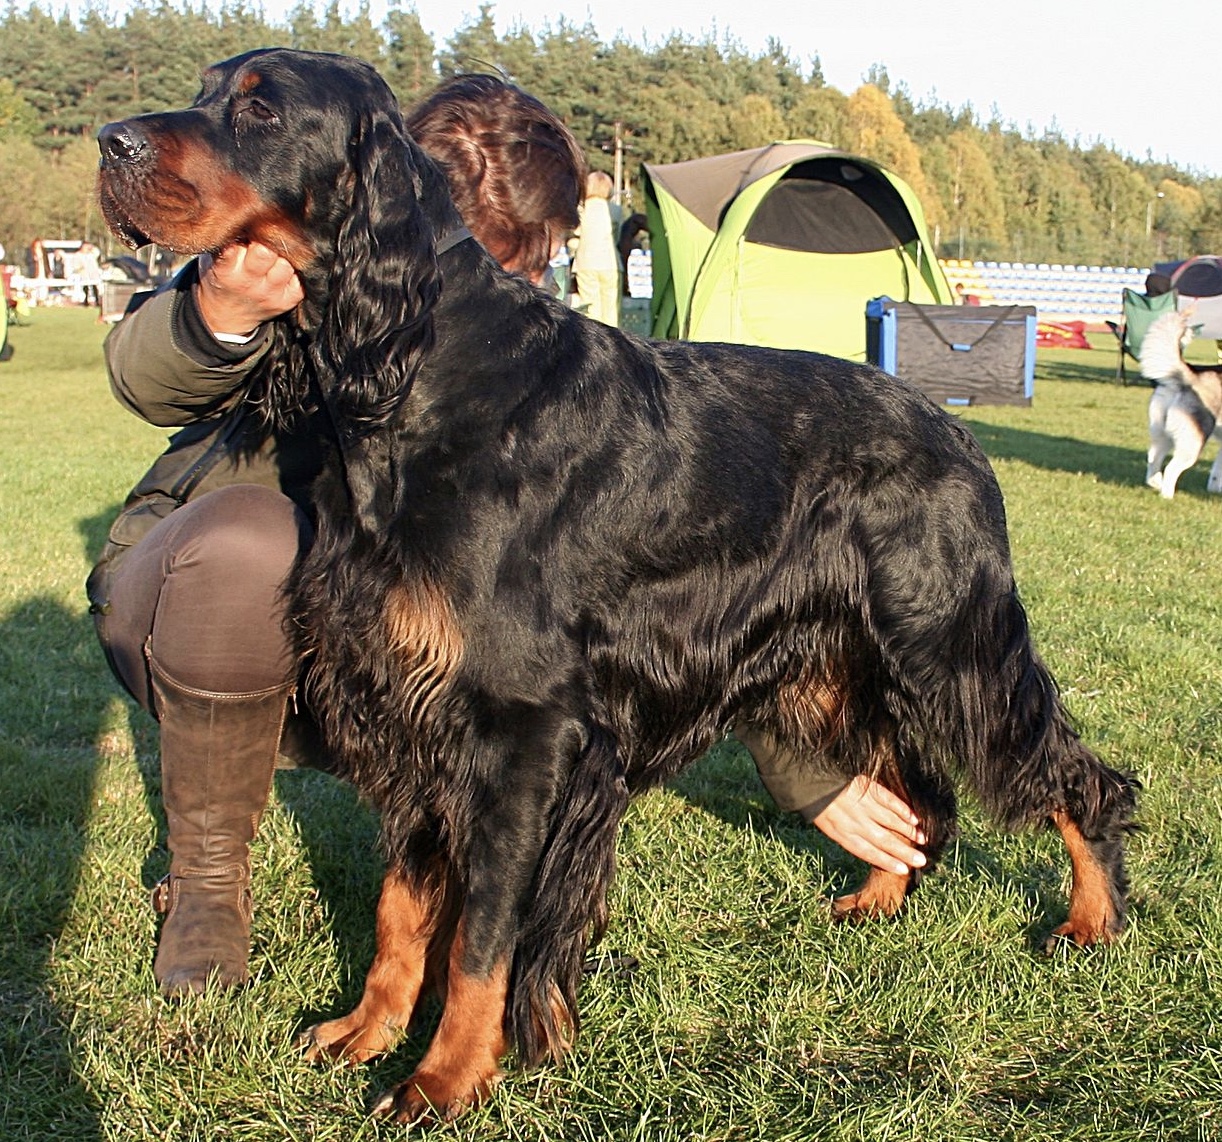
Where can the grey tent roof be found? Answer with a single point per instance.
(827, 200)
(707, 186)
(1199, 277)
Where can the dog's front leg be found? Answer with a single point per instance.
(463, 1062)
(537, 824)
(932, 798)
(409, 916)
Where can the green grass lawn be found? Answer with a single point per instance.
(751, 1016)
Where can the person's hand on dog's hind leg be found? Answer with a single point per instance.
(869, 821)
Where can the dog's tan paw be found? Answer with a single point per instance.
(1089, 933)
(349, 1040)
(882, 895)
(428, 1098)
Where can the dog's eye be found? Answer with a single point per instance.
(254, 113)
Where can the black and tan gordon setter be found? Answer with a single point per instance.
(555, 563)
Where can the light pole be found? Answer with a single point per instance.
(1150, 212)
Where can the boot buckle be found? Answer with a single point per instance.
(159, 897)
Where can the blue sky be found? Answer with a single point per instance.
(1140, 75)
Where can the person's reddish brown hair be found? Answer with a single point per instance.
(515, 171)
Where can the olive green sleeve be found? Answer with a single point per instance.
(167, 368)
(795, 783)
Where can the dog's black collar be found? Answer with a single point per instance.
(450, 240)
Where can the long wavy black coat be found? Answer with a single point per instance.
(554, 563)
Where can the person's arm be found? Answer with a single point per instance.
(863, 817)
(184, 354)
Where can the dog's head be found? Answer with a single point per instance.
(277, 147)
(306, 153)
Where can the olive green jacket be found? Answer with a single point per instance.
(166, 367)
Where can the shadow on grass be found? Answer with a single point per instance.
(1125, 467)
(93, 531)
(48, 769)
(1099, 365)
(340, 837)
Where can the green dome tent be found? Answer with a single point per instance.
(784, 245)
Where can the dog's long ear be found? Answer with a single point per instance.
(384, 282)
(377, 322)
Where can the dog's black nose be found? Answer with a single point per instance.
(121, 142)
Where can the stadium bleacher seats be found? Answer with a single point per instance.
(1058, 292)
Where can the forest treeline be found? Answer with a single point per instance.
(989, 189)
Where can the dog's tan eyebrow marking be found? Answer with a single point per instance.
(249, 82)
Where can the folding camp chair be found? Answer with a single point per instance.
(1139, 311)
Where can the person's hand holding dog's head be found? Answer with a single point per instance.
(243, 286)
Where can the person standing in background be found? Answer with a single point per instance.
(596, 262)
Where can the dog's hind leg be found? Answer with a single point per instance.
(967, 690)
(1028, 764)
(408, 919)
(1160, 448)
(1097, 897)
(1188, 442)
(1215, 475)
(1160, 441)
(932, 798)
(1178, 465)
(1091, 806)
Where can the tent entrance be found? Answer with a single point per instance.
(830, 206)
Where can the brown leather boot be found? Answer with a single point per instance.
(218, 752)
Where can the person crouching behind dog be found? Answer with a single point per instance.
(188, 600)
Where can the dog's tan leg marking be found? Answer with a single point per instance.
(463, 1062)
(816, 708)
(1092, 918)
(426, 641)
(882, 895)
(407, 919)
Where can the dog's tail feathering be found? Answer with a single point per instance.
(1046, 764)
(999, 717)
(1027, 765)
(1162, 349)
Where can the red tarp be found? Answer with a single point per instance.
(1061, 335)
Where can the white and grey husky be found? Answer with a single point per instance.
(1185, 409)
